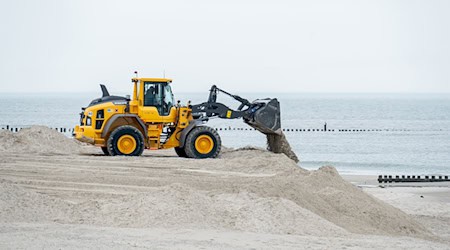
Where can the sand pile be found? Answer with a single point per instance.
(21, 205)
(180, 206)
(37, 139)
(326, 194)
(322, 192)
(248, 189)
(172, 206)
(254, 160)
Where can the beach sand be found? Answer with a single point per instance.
(57, 193)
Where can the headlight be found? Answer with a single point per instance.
(88, 121)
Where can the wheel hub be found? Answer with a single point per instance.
(204, 144)
(126, 144)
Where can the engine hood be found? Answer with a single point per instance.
(104, 99)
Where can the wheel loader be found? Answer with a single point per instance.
(150, 119)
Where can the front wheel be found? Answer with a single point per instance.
(202, 142)
(126, 140)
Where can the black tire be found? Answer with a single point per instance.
(203, 132)
(128, 132)
(180, 152)
(105, 150)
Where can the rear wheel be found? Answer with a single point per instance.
(202, 142)
(126, 140)
(180, 152)
(105, 150)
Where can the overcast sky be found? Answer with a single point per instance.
(244, 46)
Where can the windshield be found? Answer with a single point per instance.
(159, 95)
(168, 96)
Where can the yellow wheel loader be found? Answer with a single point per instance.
(151, 120)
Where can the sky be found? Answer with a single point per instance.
(376, 46)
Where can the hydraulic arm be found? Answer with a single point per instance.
(261, 114)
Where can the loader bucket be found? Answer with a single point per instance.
(264, 115)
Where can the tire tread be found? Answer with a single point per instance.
(189, 147)
(122, 130)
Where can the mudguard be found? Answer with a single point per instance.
(115, 117)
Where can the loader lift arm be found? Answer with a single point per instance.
(261, 114)
(212, 108)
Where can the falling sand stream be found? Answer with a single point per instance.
(279, 144)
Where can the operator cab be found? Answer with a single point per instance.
(155, 92)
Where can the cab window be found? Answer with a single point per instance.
(168, 99)
(158, 95)
(152, 94)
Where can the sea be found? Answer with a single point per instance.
(366, 134)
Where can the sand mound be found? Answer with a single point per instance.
(22, 205)
(324, 193)
(170, 206)
(256, 160)
(247, 189)
(37, 139)
(7, 138)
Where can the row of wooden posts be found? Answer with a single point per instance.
(17, 129)
(325, 129)
(65, 130)
(412, 178)
(318, 130)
